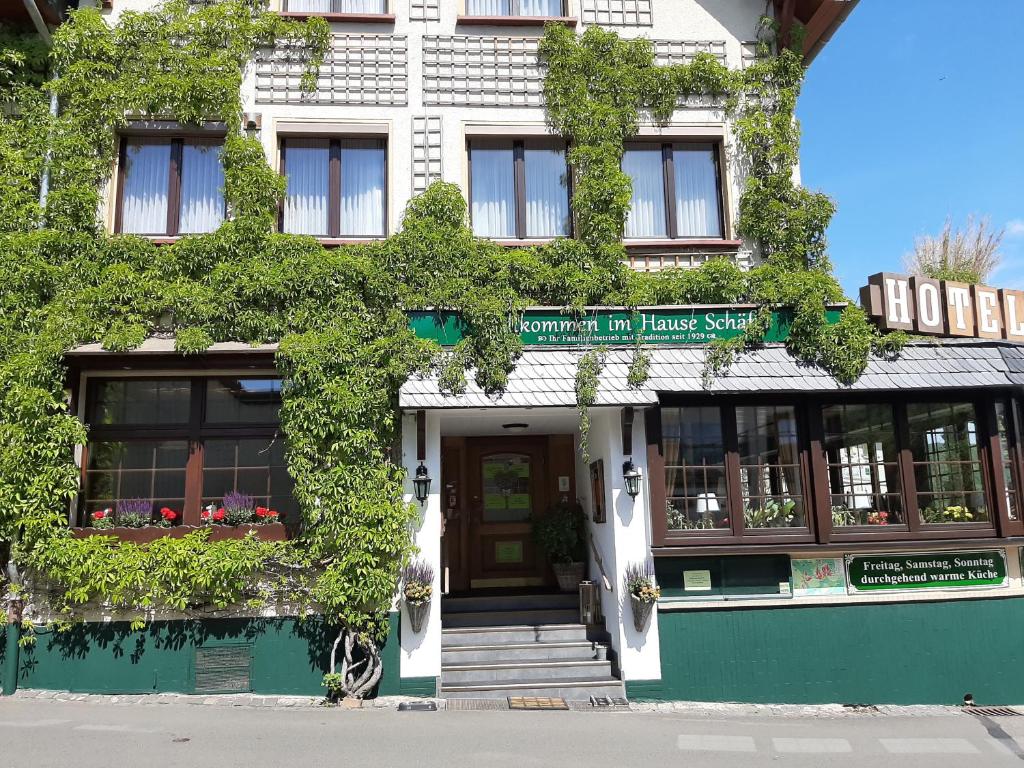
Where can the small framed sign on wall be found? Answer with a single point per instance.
(597, 490)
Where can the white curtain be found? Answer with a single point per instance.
(646, 216)
(360, 6)
(488, 7)
(540, 7)
(202, 188)
(492, 188)
(696, 191)
(547, 196)
(144, 197)
(307, 166)
(309, 6)
(362, 188)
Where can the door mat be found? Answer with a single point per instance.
(536, 702)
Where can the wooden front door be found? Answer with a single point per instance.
(507, 488)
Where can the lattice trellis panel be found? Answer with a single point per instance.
(359, 69)
(668, 52)
(481, 71)
(425, 10)
(618, 13)
(426, 152)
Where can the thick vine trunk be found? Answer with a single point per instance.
(358, 677)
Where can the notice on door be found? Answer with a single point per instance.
(926, 570)
(697, 581)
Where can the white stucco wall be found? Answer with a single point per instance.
(421, 652)
(625, 537)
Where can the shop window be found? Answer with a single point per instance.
(947, 463)
(772, 492)
(1008, 429)
(723, 578)
(518, 189)
(335, 187)
(695, 482)
(183, 443)
(170, 186)
(515, 7)
(862, 462)
(676, 191)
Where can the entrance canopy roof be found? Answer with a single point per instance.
(547, 377)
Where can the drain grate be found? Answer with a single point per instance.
(993, 711)
(537, 702)
(476, 705)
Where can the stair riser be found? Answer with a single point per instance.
(506, 618)
(499, 637)
(569, 693)
(536, 652)
(567, 601)
(597, 671)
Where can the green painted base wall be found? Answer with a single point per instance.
(288, 656)
(899, 653)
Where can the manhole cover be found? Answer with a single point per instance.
(536, 702)
(993, 711)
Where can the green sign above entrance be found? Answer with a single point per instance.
(926, 570)
(550, 327)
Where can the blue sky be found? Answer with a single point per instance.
(914, 112)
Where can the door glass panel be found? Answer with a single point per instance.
(506, 486)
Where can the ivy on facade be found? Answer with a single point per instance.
(337, 313)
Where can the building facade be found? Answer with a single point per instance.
(813, 542)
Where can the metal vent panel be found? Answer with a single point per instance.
(224, 669)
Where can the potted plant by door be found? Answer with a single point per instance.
(560, 534)
(642, 590)
(417, 580)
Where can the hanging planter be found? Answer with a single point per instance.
(418, 580)
(642, 590)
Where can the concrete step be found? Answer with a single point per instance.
(519, 671)
(563, 600)
(516, 633)
(568, 689)
(534, 616)
(485, 654)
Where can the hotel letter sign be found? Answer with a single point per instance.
(943, 307)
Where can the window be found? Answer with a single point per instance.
(184, 443)
(947, 463)
(336, 6)
(335, 187)
(862, 461)
(770, 467)
(676, 191)
(1008, 429)
(515, 8)
(695, 484)
(518, 189)
(170, 186)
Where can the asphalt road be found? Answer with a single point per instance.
(87, 734)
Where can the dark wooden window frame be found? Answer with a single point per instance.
(519, 147)
(177, 142)
(814, 473)
(334, 182)
(668, 186)
(195, 431)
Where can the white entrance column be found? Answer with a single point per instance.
(625, 537)
(421, 651)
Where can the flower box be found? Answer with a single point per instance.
(268, 532)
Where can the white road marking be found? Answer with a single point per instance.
(113, 728)
(703, 743)
(811, 746)
(929, 746)
(31, 723)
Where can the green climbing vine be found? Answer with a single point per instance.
(338, 314)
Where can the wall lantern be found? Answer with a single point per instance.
(631, 477)
(422, 484)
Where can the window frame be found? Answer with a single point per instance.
(519, 147)
(386, 15)
(514, 5)
(335, 144)
(195, 432)
(177, 143)
(668, 189)
(814, 472)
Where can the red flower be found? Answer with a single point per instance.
(262, 511)
(219, 514)
(98, 514)
(271, 513)
(205, 514)
(168, 514)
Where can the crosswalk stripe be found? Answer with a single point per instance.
(929, 746)
(708, 743)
